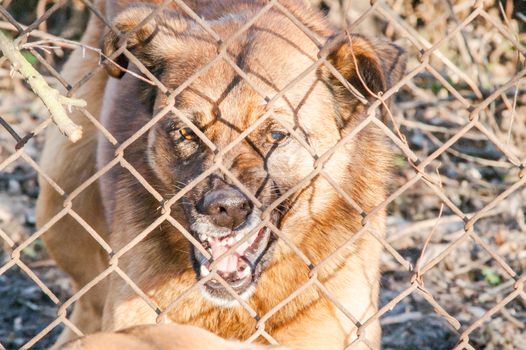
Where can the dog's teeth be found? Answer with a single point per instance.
(245, 272)
(231, 241)
(204, 271)
(239, 236)
(202, 237)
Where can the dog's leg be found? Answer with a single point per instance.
(74, 250)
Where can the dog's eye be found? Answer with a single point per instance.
(187, 133)
(276, 136)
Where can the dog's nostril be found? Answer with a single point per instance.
(226, 207)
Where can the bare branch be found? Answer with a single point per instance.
(51, 97)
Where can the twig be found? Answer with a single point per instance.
(445, 129)
(508, 316)
(51, 97)
(34, 33)
(417, 228)
(464, 42)
(41, 9)
(402, 318)
(517, 85)
(70, 44)
(20, 141)
(43, 263)
(420, 260)
(468, 157)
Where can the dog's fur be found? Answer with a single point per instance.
(155, 337)
(317, 219)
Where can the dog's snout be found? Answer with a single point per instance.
(226, 207)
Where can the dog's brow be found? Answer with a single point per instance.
(194, 115)
(282, 116)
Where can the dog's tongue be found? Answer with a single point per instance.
(226, 264)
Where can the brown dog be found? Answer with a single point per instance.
(220, 211)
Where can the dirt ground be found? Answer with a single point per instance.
(466, 283)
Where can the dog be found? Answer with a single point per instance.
(232, 211)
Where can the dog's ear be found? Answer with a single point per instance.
(375, 63)
(149, 42)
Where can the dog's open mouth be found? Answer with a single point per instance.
(242, 267)
(239, 264)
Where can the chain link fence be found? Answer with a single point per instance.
(454, 253)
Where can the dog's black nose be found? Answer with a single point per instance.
(226, 207)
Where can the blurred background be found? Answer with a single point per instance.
(431, 108)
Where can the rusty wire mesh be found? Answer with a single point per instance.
(472, 106)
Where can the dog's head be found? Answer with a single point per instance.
(264, 152)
